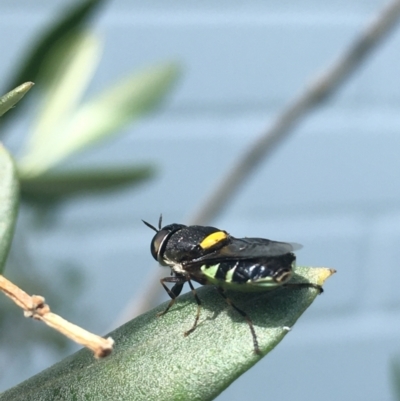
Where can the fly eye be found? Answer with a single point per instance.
(157, 243)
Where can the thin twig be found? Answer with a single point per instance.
(35, 307)
(319, 90)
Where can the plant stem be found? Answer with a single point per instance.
(35, 307)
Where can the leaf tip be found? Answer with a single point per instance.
(323, 274)
(24, 87)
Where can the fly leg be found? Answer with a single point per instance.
(246, 317)
(193, 328)
(174, 291)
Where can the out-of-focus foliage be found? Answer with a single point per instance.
(61, 61)
(395, 373)
(32, 64)
(62, 64)
(8, 202)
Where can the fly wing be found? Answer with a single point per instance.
(248, 248)
(244, 248)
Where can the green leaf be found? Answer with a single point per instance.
(154, 361)
(8, 203)
(59, 185)
(395, 373)
(35, 59)
(102, 117)
(71, 67)
(11, 98)
(74, 18)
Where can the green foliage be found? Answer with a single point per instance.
(11, 98)
(61, 61)
(61, 184)
(36, 58)
(8, 203)
(61, 135)
(395, 373)
(154, 361)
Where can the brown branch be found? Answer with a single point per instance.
(35, 307)
(319, 90)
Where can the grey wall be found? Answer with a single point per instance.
(333, 186)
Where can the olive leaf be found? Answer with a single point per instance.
(70, 68)
(61, 184)
(154, 361)
(10, 99)
(101, 117)
(32, 66)
(8, 203)
(73, 19)
(395, 375)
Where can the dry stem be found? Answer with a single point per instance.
(35, 307)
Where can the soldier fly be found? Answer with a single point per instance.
(211, 256)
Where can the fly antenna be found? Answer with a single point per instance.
(150, 226)
(160, 222)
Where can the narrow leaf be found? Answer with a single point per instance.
(395, 373)
(8, 203)
(59, 185)
(102, 117)
(154, 361)
(71, 66)
(74, 18)
(11, 98)
(35, 59)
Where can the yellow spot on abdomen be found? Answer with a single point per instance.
(213, 238)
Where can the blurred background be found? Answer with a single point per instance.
(332, 186)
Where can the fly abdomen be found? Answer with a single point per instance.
(279, 268)
(250, 275)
